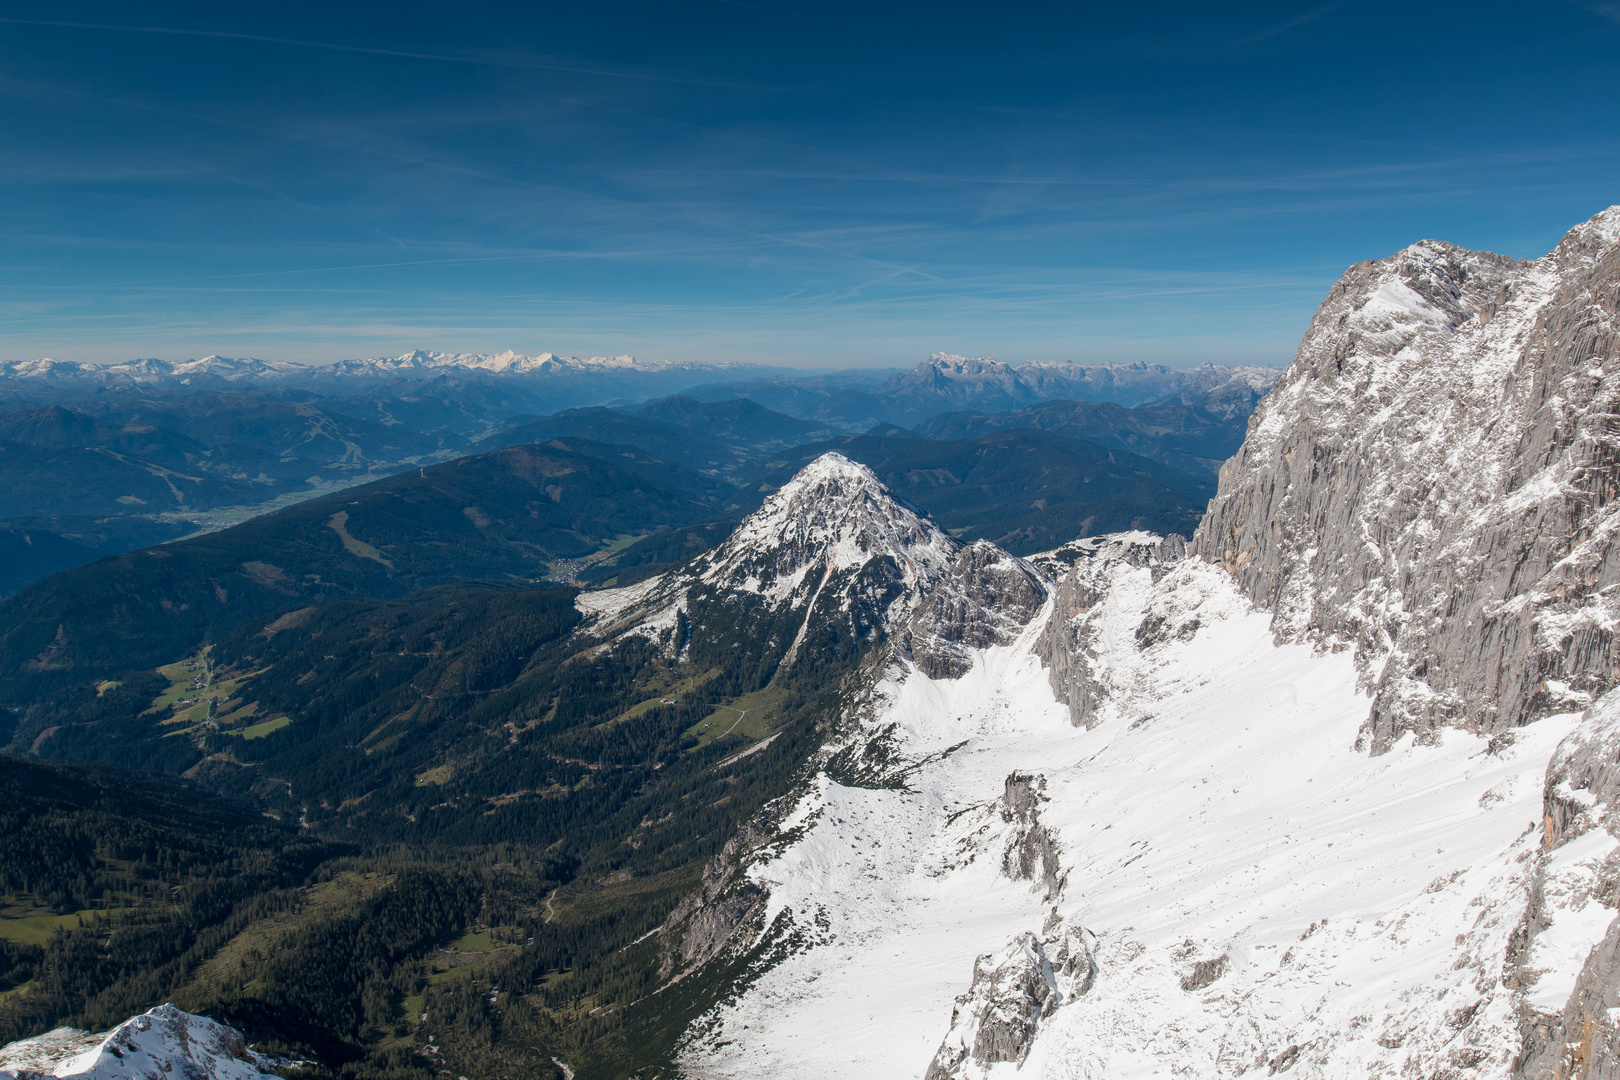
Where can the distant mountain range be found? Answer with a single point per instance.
(97, 460)
(944, 380)
(416, 364)
(946, 383)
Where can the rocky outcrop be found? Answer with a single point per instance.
(1012, 992)
(986, 598)
(1031, 853)
(722, 915)
(1583, 778)
(1433, 483)
(1015, 989)
(1204, 972)
(1585, 1041)
(1071, 644)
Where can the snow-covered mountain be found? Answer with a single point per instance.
(156, 1045)
(831, 559)
(1324, 790)
(940, 383)
(417, 364)
(945, 382)
(1290, 799)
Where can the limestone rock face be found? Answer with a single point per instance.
(1433, 483)
(1073, 640)
(1013, 991)
(986, 598)
(1583, 778)
(722, 914)
(1032, 853)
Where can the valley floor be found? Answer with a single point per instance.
(1353, 914)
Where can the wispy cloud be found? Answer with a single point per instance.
(483, 59)
(1292, 24)
(1607, 10)
(757, 185)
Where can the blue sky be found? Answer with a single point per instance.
(828, 184)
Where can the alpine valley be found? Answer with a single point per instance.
(829, 745)
(98, 460)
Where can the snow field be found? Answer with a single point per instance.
(1363, 905)
(901, 889)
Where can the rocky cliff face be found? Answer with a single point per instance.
(1075, 641)
(1580, 1036)
(1432, 483)
(985, 598)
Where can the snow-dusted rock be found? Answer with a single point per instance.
(411, 365)
(945, 382)
(1434, 482)
(1417, 530)
(164, 1043)
(831, 560)
(986, 598)
(1262, 894)
(834, 516)
(1013, 991)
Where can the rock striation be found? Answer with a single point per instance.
(1432, 483)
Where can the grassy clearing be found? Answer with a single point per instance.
(243, 954)
(237, 716)
(436, 776)
(464, 955)
(203, 698)
(184, 678)
(339, 523)
(259, 731)
(411, 1009)
(752, 716)
(37, 929)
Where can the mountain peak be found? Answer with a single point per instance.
(837, 509)
(832, 548)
